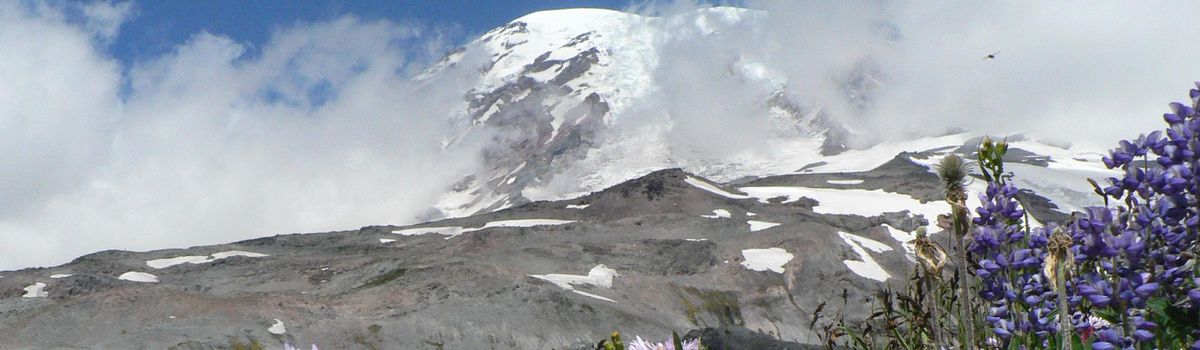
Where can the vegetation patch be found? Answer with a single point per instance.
(722, 305)
(384, 278)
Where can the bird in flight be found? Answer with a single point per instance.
(991, 56)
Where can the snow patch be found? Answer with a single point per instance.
(578, 206)
(719, 213)
(870, 244)
(386, 241)
(771, 259)
(867, 267)
(134, 276)
(860, 202)
(583, 293)
(453, 231)
(36, 290)
(60, 275)
(600, 276)
(751, 214)
(445, 230)
(871, 158)
(277, 328)
(903, 237)
(844, 182)
(197, 259)
(521, 223)
(760, 225)
(704, 185)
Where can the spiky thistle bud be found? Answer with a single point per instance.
(954, 172)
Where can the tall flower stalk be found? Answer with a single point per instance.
(1009, 255)
(1059, 265)
(931, 258)
(954, 173)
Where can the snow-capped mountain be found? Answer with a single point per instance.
(577, 100)
(572, 101)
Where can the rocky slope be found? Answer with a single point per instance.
(666, 251)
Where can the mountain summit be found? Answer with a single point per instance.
(577, 100)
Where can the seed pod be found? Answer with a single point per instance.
(931, 256)
(1059, 260)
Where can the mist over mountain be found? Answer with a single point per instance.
(673, 166)
(334, 124)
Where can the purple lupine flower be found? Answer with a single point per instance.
(1141, 250)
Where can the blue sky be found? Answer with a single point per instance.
(159, 26)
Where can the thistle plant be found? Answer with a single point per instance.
(932, 259)
(954, 173)
(930, 256)
(1058, 266)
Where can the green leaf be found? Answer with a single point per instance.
(1108, 315)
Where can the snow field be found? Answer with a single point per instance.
(769, 259)
(600, 276)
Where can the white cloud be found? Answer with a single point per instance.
(104, 18)
(1076, 71)
(321, 130)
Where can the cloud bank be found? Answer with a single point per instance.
(1080, 72)
(318, 130)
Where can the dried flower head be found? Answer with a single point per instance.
(931, 255)
(1059, 259)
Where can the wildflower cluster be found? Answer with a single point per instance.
(1125, 273)
(1010, 261)
(1119, 276)
(1137, 260)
